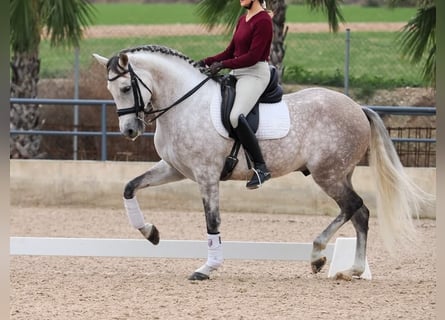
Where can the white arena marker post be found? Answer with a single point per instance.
(343, 258)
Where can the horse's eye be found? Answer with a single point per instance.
(126, 89)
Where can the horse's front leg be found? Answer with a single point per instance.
(159, 174)
(210, 198)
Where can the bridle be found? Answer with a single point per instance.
(138, 100)
(139, 105)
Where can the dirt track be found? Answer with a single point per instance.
(59, 288)
(193, 29)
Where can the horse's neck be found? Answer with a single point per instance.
(170, 76)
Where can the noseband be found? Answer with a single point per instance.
(139, 101)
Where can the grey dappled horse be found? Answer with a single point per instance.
(329, 134)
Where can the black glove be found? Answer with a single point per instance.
(215, 68)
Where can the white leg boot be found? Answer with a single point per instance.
(136, 218)
(214, 258)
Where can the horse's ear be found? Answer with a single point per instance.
(123, 59)
(102, 60)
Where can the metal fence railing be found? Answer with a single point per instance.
(419, 141)
(103, 133)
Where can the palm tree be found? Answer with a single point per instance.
(416, 39)
(278, 50)
(62, 22)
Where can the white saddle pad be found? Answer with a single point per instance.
(274, 122)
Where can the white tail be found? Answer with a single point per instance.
(399, 199)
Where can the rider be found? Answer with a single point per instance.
(247, 55)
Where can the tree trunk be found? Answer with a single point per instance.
(25, 69)
(278, 7)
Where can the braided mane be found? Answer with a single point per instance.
(113, 62)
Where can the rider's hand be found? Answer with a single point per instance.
(201, 64)
(215, 68)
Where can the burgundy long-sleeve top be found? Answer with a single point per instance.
(250, 43)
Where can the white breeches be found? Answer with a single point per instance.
(251, 83)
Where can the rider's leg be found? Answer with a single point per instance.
(250, 144)
(251, 83)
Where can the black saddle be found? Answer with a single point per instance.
(272, 94)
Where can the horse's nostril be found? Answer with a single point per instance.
(130, 132)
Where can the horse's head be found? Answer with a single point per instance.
(149, 79)
(131, 94)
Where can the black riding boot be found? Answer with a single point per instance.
(250, 143)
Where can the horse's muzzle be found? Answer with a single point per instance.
(133, 129)
(131, 134)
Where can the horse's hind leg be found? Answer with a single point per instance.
(360, 221)
(159, 174)
(352, 207)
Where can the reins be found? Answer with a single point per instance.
(139, 101)
(184, 97)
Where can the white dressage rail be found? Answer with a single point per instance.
(96, 247)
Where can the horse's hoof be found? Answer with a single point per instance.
(348, 275)
(154, 235)
(343, 276)
(318, 264)
(198, 276)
